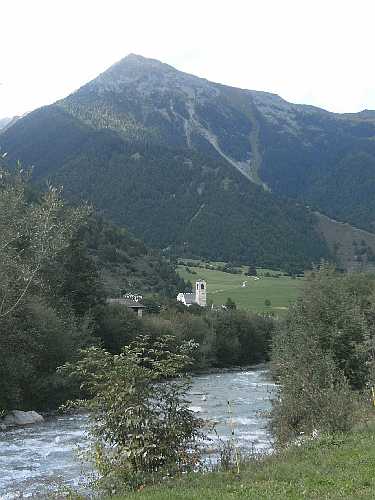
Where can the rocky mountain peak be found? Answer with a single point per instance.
(146, 75)
(130, 70)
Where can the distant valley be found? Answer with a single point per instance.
(197, 168)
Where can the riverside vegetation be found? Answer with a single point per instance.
(120, 367)
(323, 359)
(57, 265)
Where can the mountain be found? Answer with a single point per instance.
(353, 249)
(199, 168)
(6, 122)
(125, 264)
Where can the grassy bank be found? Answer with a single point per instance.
(333, 467)
(280, 291)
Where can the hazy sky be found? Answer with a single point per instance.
(319, 52)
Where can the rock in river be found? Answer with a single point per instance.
(17, 417)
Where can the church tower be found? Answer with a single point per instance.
(200, 293)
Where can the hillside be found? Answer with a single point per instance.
(303, 152)
(202, 169)
(353, 248)
(178, 200)
(279, 289)
(125, 264)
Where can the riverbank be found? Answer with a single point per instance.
(40, 459)
(331, 467)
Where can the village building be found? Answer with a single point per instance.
(132, 302)
(199, 296)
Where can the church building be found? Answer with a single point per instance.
(197, 297)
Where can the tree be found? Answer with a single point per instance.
(252, 271)
(313, 393)
(35, 336)
(32, 233)
(74, 277)
(241, 338)
(334, 310)
(230, 304)
(324, 353)
(116, 326)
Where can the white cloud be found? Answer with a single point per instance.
(312, 51)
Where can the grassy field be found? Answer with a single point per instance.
(333, 467)
(280, 291)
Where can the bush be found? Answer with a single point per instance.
(141, 427)
(314, 393)
(323, 355)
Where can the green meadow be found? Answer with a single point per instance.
(281, 291)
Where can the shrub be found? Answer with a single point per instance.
(323, 356)
(314, 393)
(142, 427)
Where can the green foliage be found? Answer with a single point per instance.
(241, 338)
(37, 335)
(32, 233)
(125, 263)
(197, 328)
(35, 340)
(334, 309)
(116, 326)
(224, 338)
(230, 304)
(323, 353)
(141, 427)
(315, 395)
(73, 278)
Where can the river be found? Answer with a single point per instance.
(39, 459)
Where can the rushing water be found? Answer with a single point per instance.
(37, 459)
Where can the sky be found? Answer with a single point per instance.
(308, 51)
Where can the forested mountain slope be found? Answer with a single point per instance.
(126, 264)
(304, 152)
(180, 200)
(201, 168)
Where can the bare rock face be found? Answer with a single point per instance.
(17, 417)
